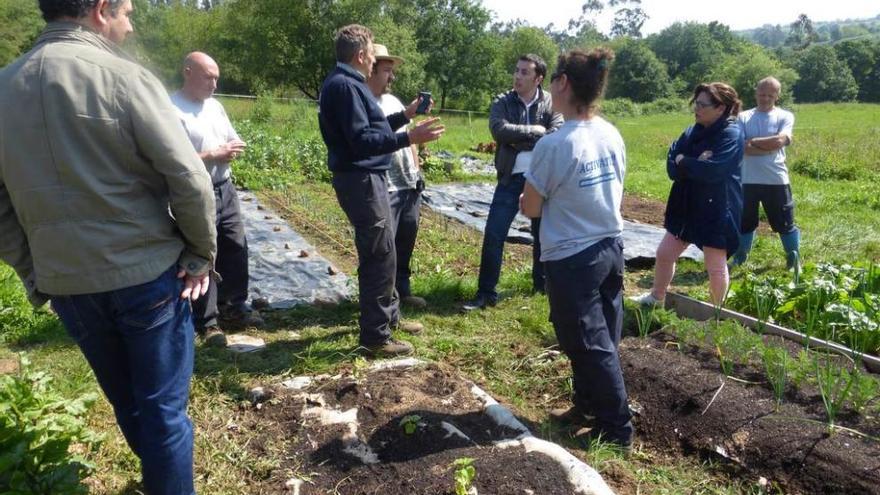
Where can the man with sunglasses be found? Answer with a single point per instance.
(517, 120)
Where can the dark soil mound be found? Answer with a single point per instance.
(791, 448)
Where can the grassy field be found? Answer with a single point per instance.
(837, 153)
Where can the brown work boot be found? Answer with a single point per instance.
(410, 327)
(389, 348)
(241, 317)
(572, 415)
(213, 336)
(414, 301)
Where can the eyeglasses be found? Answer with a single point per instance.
(703, 104)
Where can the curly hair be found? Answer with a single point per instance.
(56, 9)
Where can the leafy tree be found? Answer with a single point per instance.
(20, 23)
(861, 57)
(167, 31)
(692, 50)
(824, 77)
(628, 18)
(744, 70)
(452, 34)
(637, 73)
(870, 90)
(769, 36)
(801, 33)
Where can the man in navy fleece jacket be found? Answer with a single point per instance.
(359, 141)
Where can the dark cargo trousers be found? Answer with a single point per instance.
(363, 197)
(404, 205)
(231, 262)
(586, 308)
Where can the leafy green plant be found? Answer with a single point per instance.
(464, 475)
(834, 383)
(38, 428)
(644, 319)
(767, 298)
(865, 390)
(733, 344)
(802, 369)
(776, 365)
(410, 423)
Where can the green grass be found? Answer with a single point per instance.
(500, 348)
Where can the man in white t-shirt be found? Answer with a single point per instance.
(217, 143)
(405, 183)
(767, 130)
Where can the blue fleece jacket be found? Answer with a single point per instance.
(358, 135)
(705, 203)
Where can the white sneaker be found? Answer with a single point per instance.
(648, 299)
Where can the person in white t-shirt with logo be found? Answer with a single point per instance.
(768, 130)
(575, 184)
(405, 182)
(217, 143)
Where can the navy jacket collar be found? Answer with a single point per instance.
(351, 71)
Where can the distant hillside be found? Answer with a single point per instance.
(772, 36)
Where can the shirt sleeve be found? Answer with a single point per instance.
(541, 174)
(230, 131)
(786, 125)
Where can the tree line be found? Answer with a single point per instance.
(454, 49)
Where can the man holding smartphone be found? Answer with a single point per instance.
(217, 143)
(405, 183)
(360, 141)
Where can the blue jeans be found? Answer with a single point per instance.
(502, 211)
(139, 342)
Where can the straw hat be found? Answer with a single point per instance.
(381, 53)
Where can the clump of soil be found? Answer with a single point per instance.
(450, 425)
(792, 447)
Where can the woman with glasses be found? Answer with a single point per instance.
(705, 203)
(575, 184)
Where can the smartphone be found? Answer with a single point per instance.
(424, 102)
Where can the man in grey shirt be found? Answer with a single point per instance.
(768, 130)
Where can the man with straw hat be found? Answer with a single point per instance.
(405, 183)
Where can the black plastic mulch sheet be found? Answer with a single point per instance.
(469, 204)
(285, 270)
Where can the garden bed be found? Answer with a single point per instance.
(689, 406)
(403, 430)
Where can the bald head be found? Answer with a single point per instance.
(200, 75)
(767, 93)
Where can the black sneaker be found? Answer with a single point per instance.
(389, 348)
(479, 302)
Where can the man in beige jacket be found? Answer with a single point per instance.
(91, 157)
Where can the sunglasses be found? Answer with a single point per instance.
(702, 104)
(556, 76)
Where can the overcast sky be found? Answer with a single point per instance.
(739, 14)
